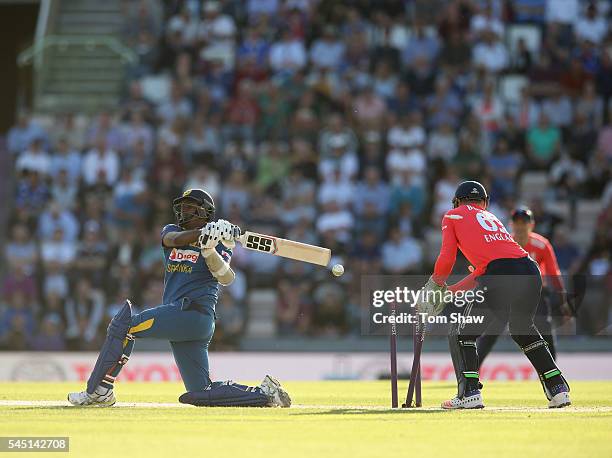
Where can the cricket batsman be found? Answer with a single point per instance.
(197, 254)
(510, 283)
(542, 252)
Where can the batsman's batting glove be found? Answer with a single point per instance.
(231, 243)
(227, 229)
(229, 233)
(209, 236)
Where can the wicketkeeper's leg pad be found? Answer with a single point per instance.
(465, 361)
(115, 351)
(226, 394)
(536, 350)
(543, 323)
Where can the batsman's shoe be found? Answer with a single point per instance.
(472, 400)
(102, 397)
(272, 388)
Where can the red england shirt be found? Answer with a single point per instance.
(542, 252)
(480, 236)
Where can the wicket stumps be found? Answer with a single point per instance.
(393, 352)
(414, 386)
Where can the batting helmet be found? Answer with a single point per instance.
(199, 203)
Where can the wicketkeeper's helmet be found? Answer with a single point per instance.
(470, 191)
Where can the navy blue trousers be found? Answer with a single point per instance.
(189, 333)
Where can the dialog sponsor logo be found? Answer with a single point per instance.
(184, 255)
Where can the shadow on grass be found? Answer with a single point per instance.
(442, 386)
(56, 408)
(362, 411)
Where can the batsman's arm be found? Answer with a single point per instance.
(177, 239)
(220, 269)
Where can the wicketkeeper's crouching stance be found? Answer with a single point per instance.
(510, 282)
(197, 254)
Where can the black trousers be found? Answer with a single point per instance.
(542, 321)
(510, 293)
(511, 290)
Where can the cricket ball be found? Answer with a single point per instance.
(338, 270)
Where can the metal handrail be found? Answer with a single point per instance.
(44, 12)
(126, 54)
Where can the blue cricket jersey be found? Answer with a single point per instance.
(186, 273)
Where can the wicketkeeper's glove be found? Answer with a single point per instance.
(431, 298)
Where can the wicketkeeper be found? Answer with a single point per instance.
(510, 282)
(197, 254)
(553, 296)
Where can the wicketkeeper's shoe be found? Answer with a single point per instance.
(471, 400)
(558, 396)
(102, 397)
(272, 388)
(560, 400)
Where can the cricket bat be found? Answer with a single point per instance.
(285, 248)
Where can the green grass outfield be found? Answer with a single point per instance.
(347, 418)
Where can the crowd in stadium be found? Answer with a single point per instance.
(343, 124)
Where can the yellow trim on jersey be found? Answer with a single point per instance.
(142, 326)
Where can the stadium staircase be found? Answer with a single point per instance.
(261, 311)
(536, 184)
(79, 60)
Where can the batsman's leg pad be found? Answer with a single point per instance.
(465, 361)
(536, 350)
(226, 394)
(115, 351)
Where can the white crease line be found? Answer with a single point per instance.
(347, 408)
